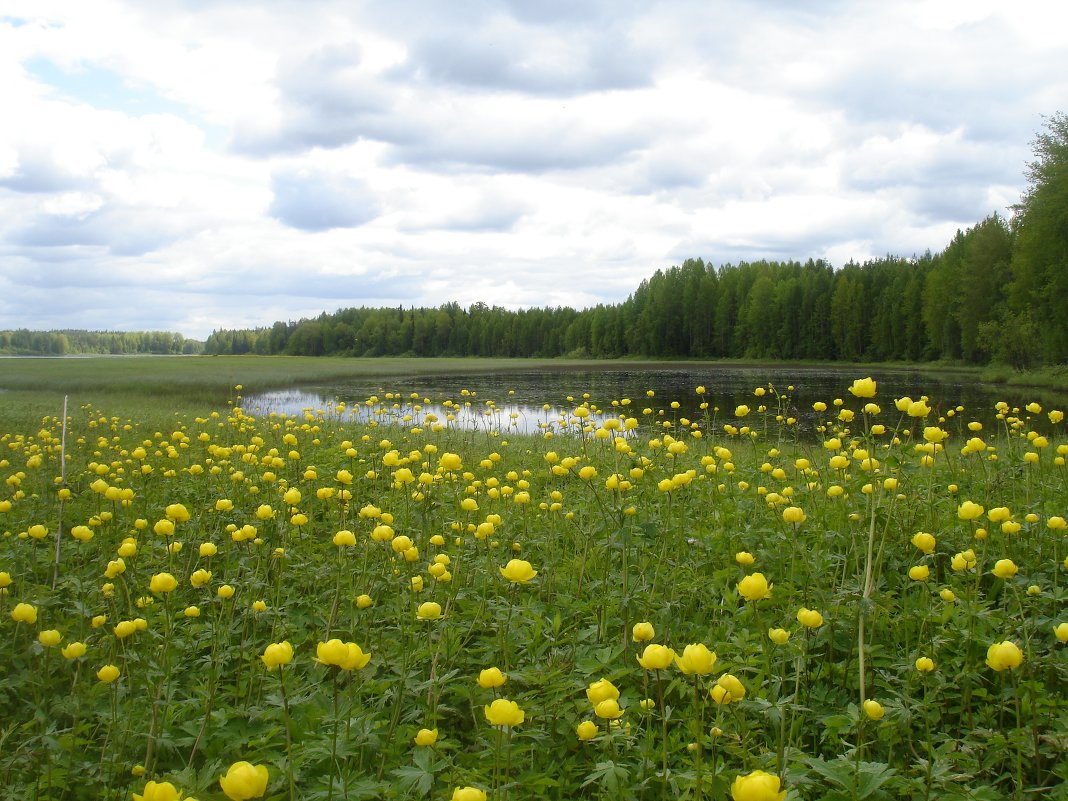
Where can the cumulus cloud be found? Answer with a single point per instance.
(314, 201)
(512, 152)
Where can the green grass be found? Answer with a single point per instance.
(653, 536)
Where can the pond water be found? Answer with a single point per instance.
(533, 401)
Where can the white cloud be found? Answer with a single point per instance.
(188, 166)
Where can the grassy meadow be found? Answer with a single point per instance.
(371, 601)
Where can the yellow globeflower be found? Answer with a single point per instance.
(919, 572)
(1060, 631)
(757, 786)
(503, 712)
(73, 650)
(491, 677)
(874, 710)
(925, 664)
(468, 794)
(642, 632)
(158, 791)
(779, 636)
(244, 781)
(754, 587)
(1005, 568)
(429, 610)
(608, 709)
(1004, 655)
(600, 690)
(163, 583)
(863, 388)
(277, 654)
(586, 730)
(696, 659)
(518, 571)
(809, 618)
(24, 613)
(924, 541)
(426, 737)
(107, 674)
(656, 657)
(793, 514)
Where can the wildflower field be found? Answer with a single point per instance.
(374, 601)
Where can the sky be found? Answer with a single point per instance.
(188, 165)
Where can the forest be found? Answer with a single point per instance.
(995, 293)
(23, 342)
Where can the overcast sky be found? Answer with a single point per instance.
(188, 165)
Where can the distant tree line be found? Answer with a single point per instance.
(71, 342)
(998, 292)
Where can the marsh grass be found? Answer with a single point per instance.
(650, 536)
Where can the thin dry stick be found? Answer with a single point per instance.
(62, 481)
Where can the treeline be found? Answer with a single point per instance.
(74, 342)
(945, 306)
(997, 292)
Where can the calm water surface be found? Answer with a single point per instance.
(516, 401)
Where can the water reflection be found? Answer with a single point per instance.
(780, 400)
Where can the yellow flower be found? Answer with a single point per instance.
(107, 674)
(259, 606)
(601, 690)
(124, 628)
(364, 601)
(642, 632)
(24, 613)
(727, 689)
(355, 657)
(863, 388)
(163, 583)
(918, 409)
(809, 618)
(200, 577)
(744, 558)
(450, 462)
(1060, 631)
(426, 737)
(158, 791)
(754, 587)
(429, 610)
(924, 541)
(468, 794)
(586, 730)
(1003, 655)
(741, 411)
(244, 781)
(778, 636)
(969, 511)
(656, 657)
(518, 571)
(793, 514)
(608, 709)
(696, 659)
(208, 549)
(344, 538)
(999, 514)
(225, 591)
(277, 654)
(49, 638)
(491, 677)
(919, 572)
(73, 650)
(503, 713)
(757, 786)
(874, 710)
(1005, 568)
(925, 664)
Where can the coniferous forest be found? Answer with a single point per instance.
(996, 293)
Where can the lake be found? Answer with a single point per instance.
(515, 402)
